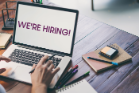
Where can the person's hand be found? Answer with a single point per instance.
(42, 75)
(5, 59)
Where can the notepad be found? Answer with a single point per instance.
(78, 87)
(120, 58)
(4, 38)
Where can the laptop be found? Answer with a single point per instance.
(40, 30)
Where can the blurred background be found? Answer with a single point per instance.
(122, 14)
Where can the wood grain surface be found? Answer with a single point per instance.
(91, 35)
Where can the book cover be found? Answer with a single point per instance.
(4, 39)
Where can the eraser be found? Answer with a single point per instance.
(108, 52)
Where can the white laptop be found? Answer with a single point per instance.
(40, 30)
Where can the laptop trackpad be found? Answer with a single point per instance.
(22, 74)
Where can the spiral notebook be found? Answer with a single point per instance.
(78, 87)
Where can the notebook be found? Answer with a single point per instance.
(78, 87)
(120, 58)
(4, 38)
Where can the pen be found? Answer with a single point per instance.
(114, 63)
(40, 1)
(79, 78)
(32, 0)
(63, 77)
(45, 62)
(71, 75)
(68, 73)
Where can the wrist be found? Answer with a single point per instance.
(39, 87)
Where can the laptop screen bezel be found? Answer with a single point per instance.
(49, 7)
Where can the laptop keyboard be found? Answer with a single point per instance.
(30, 58)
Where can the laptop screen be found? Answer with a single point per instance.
(43, 27)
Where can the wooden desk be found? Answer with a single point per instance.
(91, 35)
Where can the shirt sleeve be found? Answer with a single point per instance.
(2, 90)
